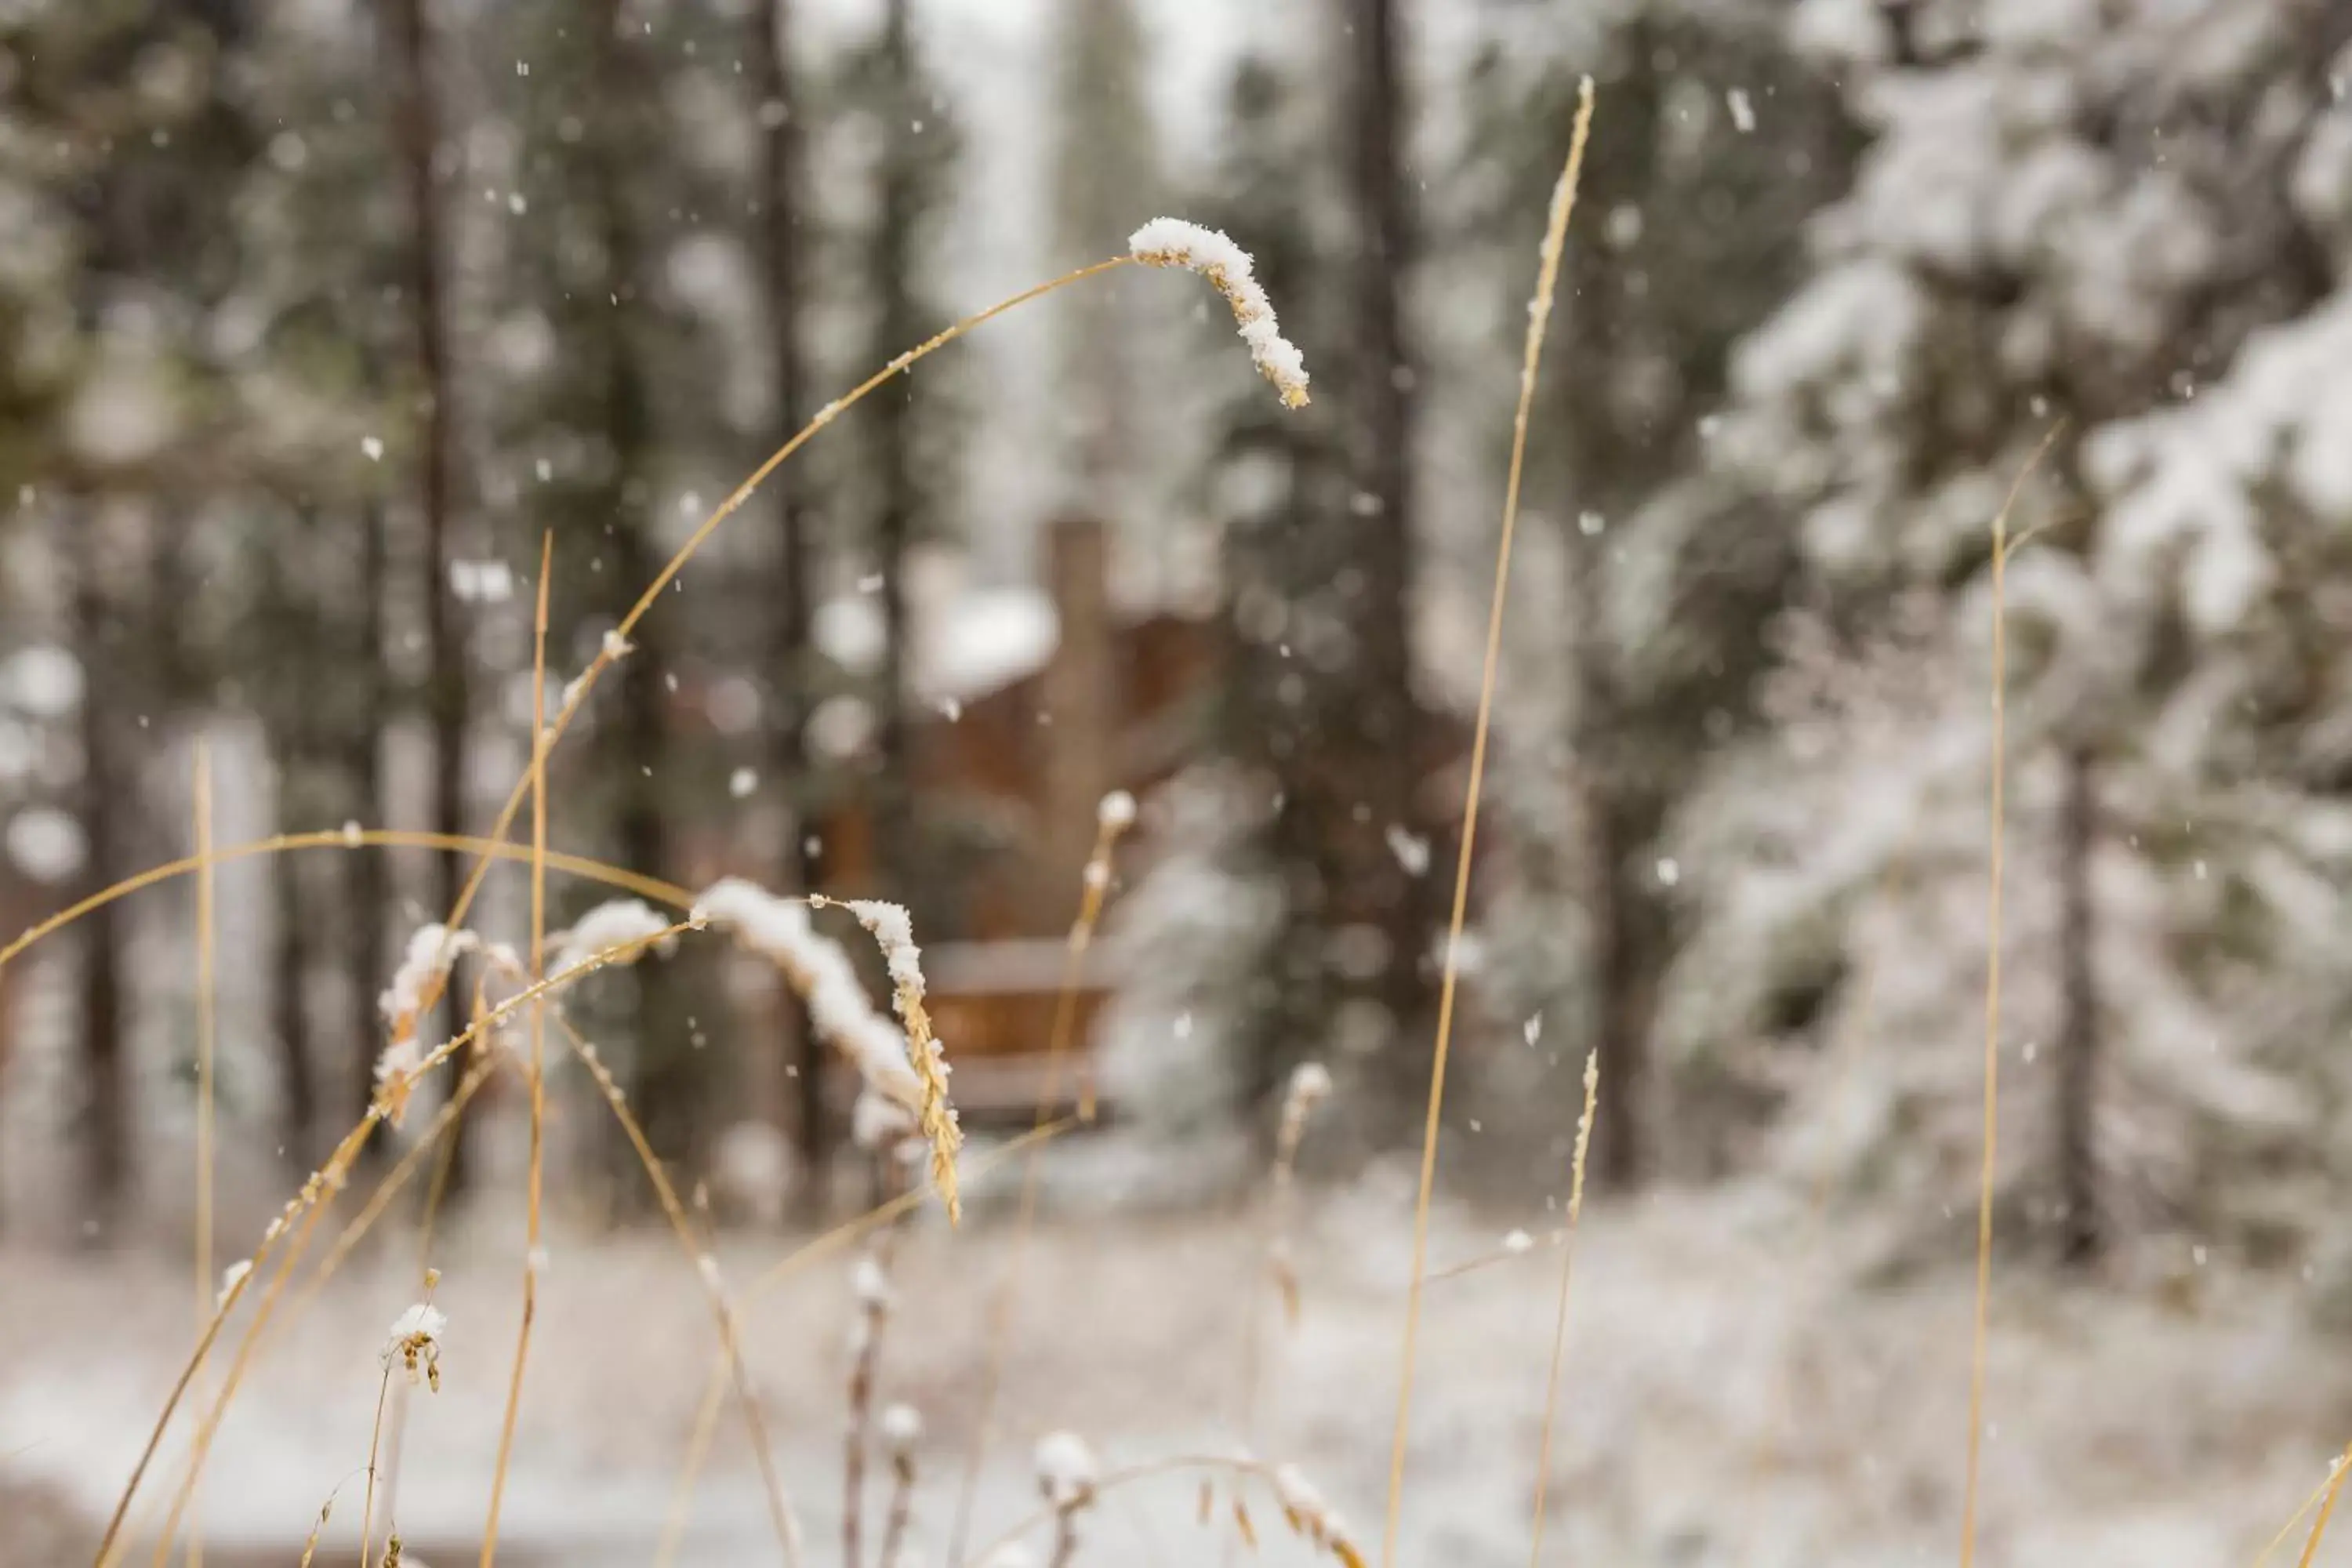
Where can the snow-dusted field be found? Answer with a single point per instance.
(1733, 1395)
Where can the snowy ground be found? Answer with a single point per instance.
(1733, 1395)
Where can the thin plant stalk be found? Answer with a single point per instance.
(390, 1188)
(618, 877)
(2310, 1501)
(360, 1224)
(706, 1421)
(537, 784)
(208, 1051)
(318, 1528)
(1094, 888)
(1560, 1322)
(2326, 1508)
(874, 1317)
(900, 1512)
(782, 1514)
(375, 1438)
(1239, 1467)
(1563, 204)
(1993, 859)
(1298, 1105)
(578, 693)
(301, 1215)
(1843, 1069)
(496, 846)
(613, 646)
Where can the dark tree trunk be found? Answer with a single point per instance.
(293, 733)
(291, 961)
(367, 881)
(897, 326)
(784, 151)
(2083, 1232)
(1628, 943)
(1608, 468)
(1387, 719)
(106, 1076)
(666, 1073)
(418, 133)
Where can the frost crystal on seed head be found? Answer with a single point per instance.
(1172, 242)
(1117, 811)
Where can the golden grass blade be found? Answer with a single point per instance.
(1992, 1002)
(537, 782)
(1566, 1273)
(1817, 1203)
(375, 1438)
(810, 1251)
(389, 1188)
(782, 1514)
(207, 1047)
(301, 1213)
(2335, 1468)
(1092, 893)
(697, 1451)
(611, 876)
(1563, 202)
(2335, 1475)
(577, 693)
(494, 846)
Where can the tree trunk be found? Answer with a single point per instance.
(2082, 1233)
(418, 132)
(897, 327)
(292, 730)
(666, 1074)
(1615, 804)
(1626, 957)
(290, 961)
(1388, 720)
(106, 1075)
(790, 659)
(367, 881)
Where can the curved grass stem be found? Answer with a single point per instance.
(1563, 204)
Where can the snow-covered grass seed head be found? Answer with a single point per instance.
(1172, 242)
